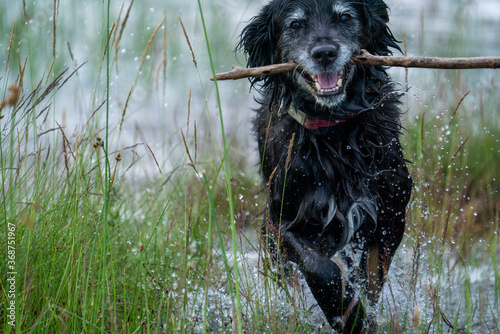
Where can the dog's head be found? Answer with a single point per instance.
(321, 36)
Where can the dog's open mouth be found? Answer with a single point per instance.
(327, 83)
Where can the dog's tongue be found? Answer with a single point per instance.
(328, 80)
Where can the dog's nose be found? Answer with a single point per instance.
(324, 54)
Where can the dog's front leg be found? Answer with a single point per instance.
(327, 282)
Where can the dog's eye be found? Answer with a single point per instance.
(295, 25)
(345, 18)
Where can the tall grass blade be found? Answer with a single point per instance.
(227, 178)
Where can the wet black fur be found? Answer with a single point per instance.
(354, 172)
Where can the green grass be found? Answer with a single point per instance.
(118, 232)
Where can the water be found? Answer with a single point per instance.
(442, 22)
(158, 105)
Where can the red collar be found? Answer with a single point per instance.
(313, 124)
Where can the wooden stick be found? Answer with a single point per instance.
(365, 58)
(255, 72)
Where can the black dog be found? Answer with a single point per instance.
(328, 139)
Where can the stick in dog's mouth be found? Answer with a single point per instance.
(366, 58)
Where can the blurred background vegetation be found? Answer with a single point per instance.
(166, 262)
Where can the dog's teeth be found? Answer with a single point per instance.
(318, 86)
(339, 83)
(341, 72)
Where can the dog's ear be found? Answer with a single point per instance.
(379, 37)
(258, 39)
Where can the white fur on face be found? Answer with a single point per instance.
(340, 8)
(296, 45)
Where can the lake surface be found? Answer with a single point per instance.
(158, 104)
